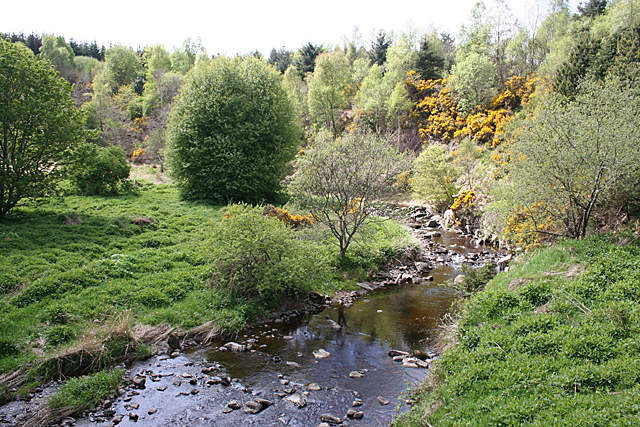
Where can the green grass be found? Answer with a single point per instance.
(73, 270)
(79, 393)
(553, 342)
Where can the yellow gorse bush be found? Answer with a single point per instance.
(293, 221)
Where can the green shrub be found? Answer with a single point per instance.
(100, 170)
(81, 393)
(474, 279)
(257, 256)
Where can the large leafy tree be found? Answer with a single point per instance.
(39, 126)
(232, 132)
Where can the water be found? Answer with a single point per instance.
(402, 318)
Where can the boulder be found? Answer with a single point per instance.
(252, 407)
(394, 353)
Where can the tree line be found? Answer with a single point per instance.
(464, 104)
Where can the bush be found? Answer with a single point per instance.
(261, 257)
(435, 176)
(232, 132)
(100, 171)
(79, 394)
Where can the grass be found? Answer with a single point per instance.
(553, 342)
(80, 277)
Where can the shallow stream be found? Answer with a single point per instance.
(400, 318)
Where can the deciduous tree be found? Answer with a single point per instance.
(568, 156)
(340, 181)
(232, 132)
(39, 126)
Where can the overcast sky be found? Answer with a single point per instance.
(230, 27)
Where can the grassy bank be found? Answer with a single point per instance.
(84, 278)
(553, 342)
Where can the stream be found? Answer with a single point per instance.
(297, 388)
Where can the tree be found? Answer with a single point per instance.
(328, 95)
(281, 59)
(59, 53)
(100, 170)
(232, 132)
(568, 156)
(473, 81)
(39, 126)
(340, 181)
(184, 58)
(379, 47)
(429, 64)
(305, 58)
(122, 67)
(592, 8)
(435, 176)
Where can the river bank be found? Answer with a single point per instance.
(552, 342)
(359, 345)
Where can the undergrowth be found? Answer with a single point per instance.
(553, 342)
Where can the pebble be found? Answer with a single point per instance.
(152, 411)
(321, 354)
(383, 401)
(356, 374)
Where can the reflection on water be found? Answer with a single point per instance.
(402, 318)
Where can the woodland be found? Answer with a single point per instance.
(523, 134)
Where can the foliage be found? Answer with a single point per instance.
(281, 59)
(59, 53)
(293, 221)
(305, 58)
(568, 156)
(435, 176)
(258, 256)
(472, 82)
(232, 132)
(39, 123)
(544, 345)
(435, 111)
(122, 67)
(474, 280)
(328, 90)
(429, 64)
(100, 171)
(340, 181)
(79, 394)
(379, 47)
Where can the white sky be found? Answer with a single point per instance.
(234, 26)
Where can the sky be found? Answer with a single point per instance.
(230, 27)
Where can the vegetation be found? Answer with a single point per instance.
(522, 131)
(261, 256)
(100, 170)
(232, 132)
(81, 279)
(551, 342)
(340, 181)
(39, 127)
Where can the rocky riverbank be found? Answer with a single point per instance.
(297, 383)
